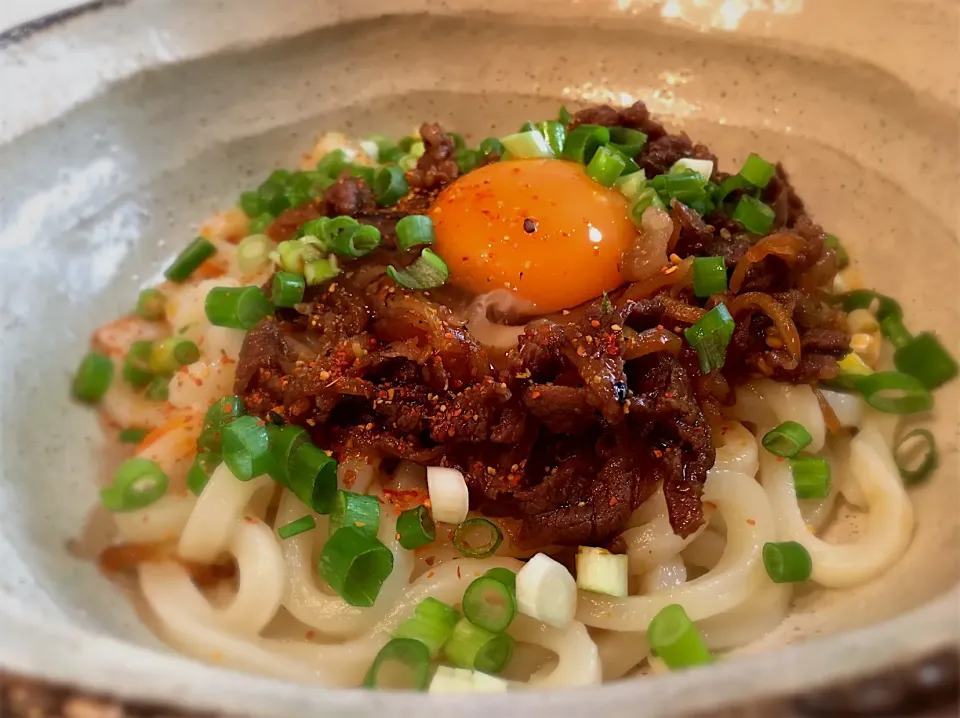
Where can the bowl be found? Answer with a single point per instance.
(127, 122)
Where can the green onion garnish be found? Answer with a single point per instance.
(605, 166)
(93, 378)
(220, 413)
(198, 252)
(490, 604)
(246, 447)
(583, 142)
(287, 289)
(151, 304)
(413, 231)
(757, 171)
(348, 238)
(432, 624)
(478, 649)
(710, 336)
(363, 172)
(402, 664)
(564, 116)
(754, 215)
(136, 484)
(709, 276)
(833, 242)
(237, 307)
(505, 576)
(332, 164)
(467, 160)
(301, 525)
(312, 477)
(389, 185)
(320, 270)
(358, 510)
(894, 393)
(253, 252)
(168, 355)
(685, 185)
(905, 450)
(730, 184)
(645, 198)
(893, 329)
(787, 440)
(284, 442)
(136, 365)
(882, 305)
(203, 466)
(787, 562)
(628, 141)
(416, 528)
(491, 146)
(527, 145)
(251, 204)
(427, 272)
(675, 639)
(132, 436)
(811, 477)
(477, 538)
(355, 564)
(555, 134)
(925, 358)
(158, 389)
(259, 224)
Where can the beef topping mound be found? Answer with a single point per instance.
(594, 409)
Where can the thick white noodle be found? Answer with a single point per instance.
(578, 659)
(160, 521)
(707, 550)
(261, 575)
(175, 450)
(816, 512)
(666, 575)
(751, 620)
(845, 480)
(787, 402)
(620, 651)
(736, 449)
(848, 407)
(654, 542)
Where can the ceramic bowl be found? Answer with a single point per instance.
(125, 123)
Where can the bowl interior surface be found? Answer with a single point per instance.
(99, 195)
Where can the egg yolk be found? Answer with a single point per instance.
(542, 229)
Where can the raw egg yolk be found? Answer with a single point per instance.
(542, 229)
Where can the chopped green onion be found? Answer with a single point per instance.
(564, 116)
(406, 143)
(628, 141)
(528, 127)
(332, 164)
(906, 448)
(755, 216)
(260, 223)
(709, 276)
(432, 624)
(685, 185)
(389, 185)
(312, 477)
(527, 145)
(647, 197)
(757, 171)
(630, 185)
(220, 413)
(458, 142)
(833, 242)
(710, 336)
(287, 289)
(158, 389)
(151, 304)
(787, 440)
(246, 447)
(893, 329)
(137, 483)
(467, 541)
(491, 146)
(348, 238)
(882, 305)
(600, 571)
(427, 272)
(132, 436)
(925, 358)
(629, 166)
(93, 378)
(320, 270)
(730, 184)
(811, 477)
(676, 640)
(851, 367)
(237, 307)
(702, 168)
(284, 442)
(355, 564)
(136, 366)
(787, 562)
(168, 355)
(292, 255)
(402, 664)
(490, 604)
(505, 576)
(251, 204)
(365, 173)
(477, 648)
(358, 510)
(605, 166)
(253, 252)
(413, 231)
(198, 252)
(555, 133)
(199, 474)
(301, 525)
(416, 528)
(467, 160)
(583, 142)
(894, 393)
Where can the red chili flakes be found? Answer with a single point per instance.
(250, 520)
(594, 323)
(658, 453)
(535, 395)
(613, 501)
(458, 572)
(431, 574)
(309, 635)
(751, 522)
(430, 560)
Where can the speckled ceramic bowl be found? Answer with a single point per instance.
(123, 125)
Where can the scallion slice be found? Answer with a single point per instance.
(284, 442)
(151, 304)
(246, 447)
(882, 305)
(505, 576)
(287, 289)
(402, 664)
(312, 477)
(136, 365)
(709, 276)
(432, 624)
(710, 336)
(200, 471)
(389, 185)
(833, 242)
(355, 564)
(730, 184)
(168, 355)
(555, 133)
(158, 389)
(675, 639)
(605, 166)
(583, 142)
(414, 230)
(925, 358)
(294, 528)
(132, 436)
(628, 141)
(93, 378)
(564, 116)
(894, 393)
(811, 477)
(527, 145)
(358, 510)
(787, 562)
(198, 252)
(685, 185)
(332, 164)
(787, 440)
(645, 198)
(757, 171)
(427, 272)
(237, 307)
(136, 484)
(755, 216)
(348, 238)
(363, 172)
(259, 224)
(904, 455)
(416, 528)
(490, 604)
(491, 146)
(477, 648)
(320, 270)
(467, 160)
(220, 413)
(893, 329)
(477, 538)
(251, 204)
